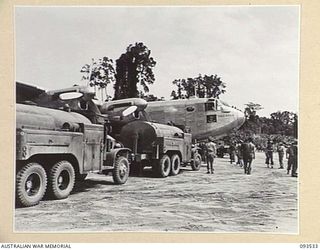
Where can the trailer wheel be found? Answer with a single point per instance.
(31, 184)
(163, 166)
(196, 162)
(121, 170)
(61, 180)
(175, 164)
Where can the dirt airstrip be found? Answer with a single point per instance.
(227, 201)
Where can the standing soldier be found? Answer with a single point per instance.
(269, 154)
(211, 154)
(238, 153)
(281, 150)
(232, 152)
(248, 154)
(202, 151)
(292, 156)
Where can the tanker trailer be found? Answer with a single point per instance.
(55, 147)
(161, 146)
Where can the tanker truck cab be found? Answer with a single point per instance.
(55, 148)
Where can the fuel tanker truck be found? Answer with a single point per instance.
(163, 147)
(54, 148)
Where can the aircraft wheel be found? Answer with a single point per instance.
(61, 180)
(175, 164)
(163, 166)
(121, 170)
(196, 162)
(31, 184)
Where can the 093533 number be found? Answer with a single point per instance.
(308, 245)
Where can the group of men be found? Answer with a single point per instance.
(291, 153)
(245, 153)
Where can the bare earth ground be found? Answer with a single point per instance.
(227, 201)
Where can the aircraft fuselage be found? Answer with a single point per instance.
(204, 117)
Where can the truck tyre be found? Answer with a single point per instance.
(163, 166)
(121, 170)
(196, 162)
(31, 184)
(175, 164)
(61, 180)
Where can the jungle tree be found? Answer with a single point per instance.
(251, 110)
(200, 86)
(133, 67)
(99, 74)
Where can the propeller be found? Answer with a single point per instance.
(129, 110)
(70, 95)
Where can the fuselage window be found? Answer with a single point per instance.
(190, 108)
(211, 118)
(209, 106)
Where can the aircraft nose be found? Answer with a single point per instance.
(240, 117)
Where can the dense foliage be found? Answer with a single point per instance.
(133, 67)
(200, 86)
(99, 74)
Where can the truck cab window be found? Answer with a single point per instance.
(209, 106)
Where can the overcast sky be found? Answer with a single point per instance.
(255, 50)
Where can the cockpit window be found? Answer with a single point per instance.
(211, 118)
(210, 106)
(190, 108)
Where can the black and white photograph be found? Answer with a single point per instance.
(157, 119)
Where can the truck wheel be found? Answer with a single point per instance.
(175, 164)
(61, 180)
(196, 162)
(31, 184)
(121, 170)
(163, 166)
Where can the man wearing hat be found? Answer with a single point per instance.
(292, 156)
(211, 154)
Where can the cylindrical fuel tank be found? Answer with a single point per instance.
(146, 133)
(28, 116)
